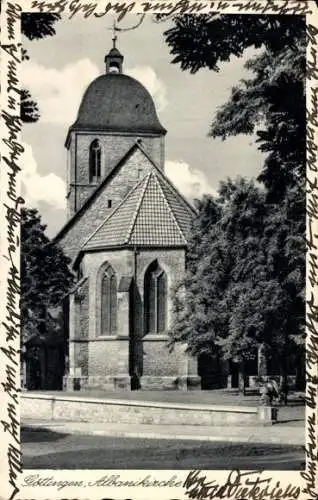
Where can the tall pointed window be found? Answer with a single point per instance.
(95, 154)
(108, 302)
(155, 297)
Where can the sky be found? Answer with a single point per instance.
(60, 69)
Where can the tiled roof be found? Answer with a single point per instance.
(153, 213)
(117, 103)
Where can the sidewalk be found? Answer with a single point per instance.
(275, 434)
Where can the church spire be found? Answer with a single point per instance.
(114, 59)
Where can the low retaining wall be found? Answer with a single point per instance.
(81, 409)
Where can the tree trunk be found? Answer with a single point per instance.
(42, 346)
(300, 371)
(241, 378)
(262, 361)
(284, 378)
(284, 388)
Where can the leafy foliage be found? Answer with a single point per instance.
(45, 277)
(244, 285)
(37, 25)
(34, 26)
(206, 40)
(272, 103)
(29, 108)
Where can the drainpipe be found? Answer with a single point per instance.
(134, 339)
(135, 263)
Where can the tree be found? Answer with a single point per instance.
(272, 103)
(45, 277)
(240, 292)
(197, 301)
(263, 294)
(205, 40)
(37, 25)
(29, 108)
(34, 26)
(217, 312)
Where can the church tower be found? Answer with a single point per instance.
(116, 111)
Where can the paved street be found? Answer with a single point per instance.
(43, 449)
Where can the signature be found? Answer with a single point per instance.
(239, 485)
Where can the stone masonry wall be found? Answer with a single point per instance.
(122, 264)
(103, 357)
(158, 361)
(105, 353)
(114, 147)
(116, 190)
(81, 305)
(88, 410)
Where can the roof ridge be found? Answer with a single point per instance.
(143, 149)
(135, 145)
(98, 188)
(162, 173)
(134, 219)
(166, 178)
(170, 210)
(174, 190)
(130, 192)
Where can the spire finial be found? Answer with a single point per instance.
(114, 59)
(114, 29)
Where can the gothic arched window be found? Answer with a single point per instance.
(108, 302)
(95, 154)
(155, 299)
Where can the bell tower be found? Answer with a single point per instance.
(116, 113)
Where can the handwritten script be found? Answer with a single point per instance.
(12, 149)
(310, 474)
(102, 8)
(239, 485)
(254, 485)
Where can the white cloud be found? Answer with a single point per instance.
(148, 77)
(48, 188)
(58, 92)
(191, 182)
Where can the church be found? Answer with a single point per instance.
(126, 233)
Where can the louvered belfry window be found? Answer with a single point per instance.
(109, 302)
(155, 299)
(95, 156)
